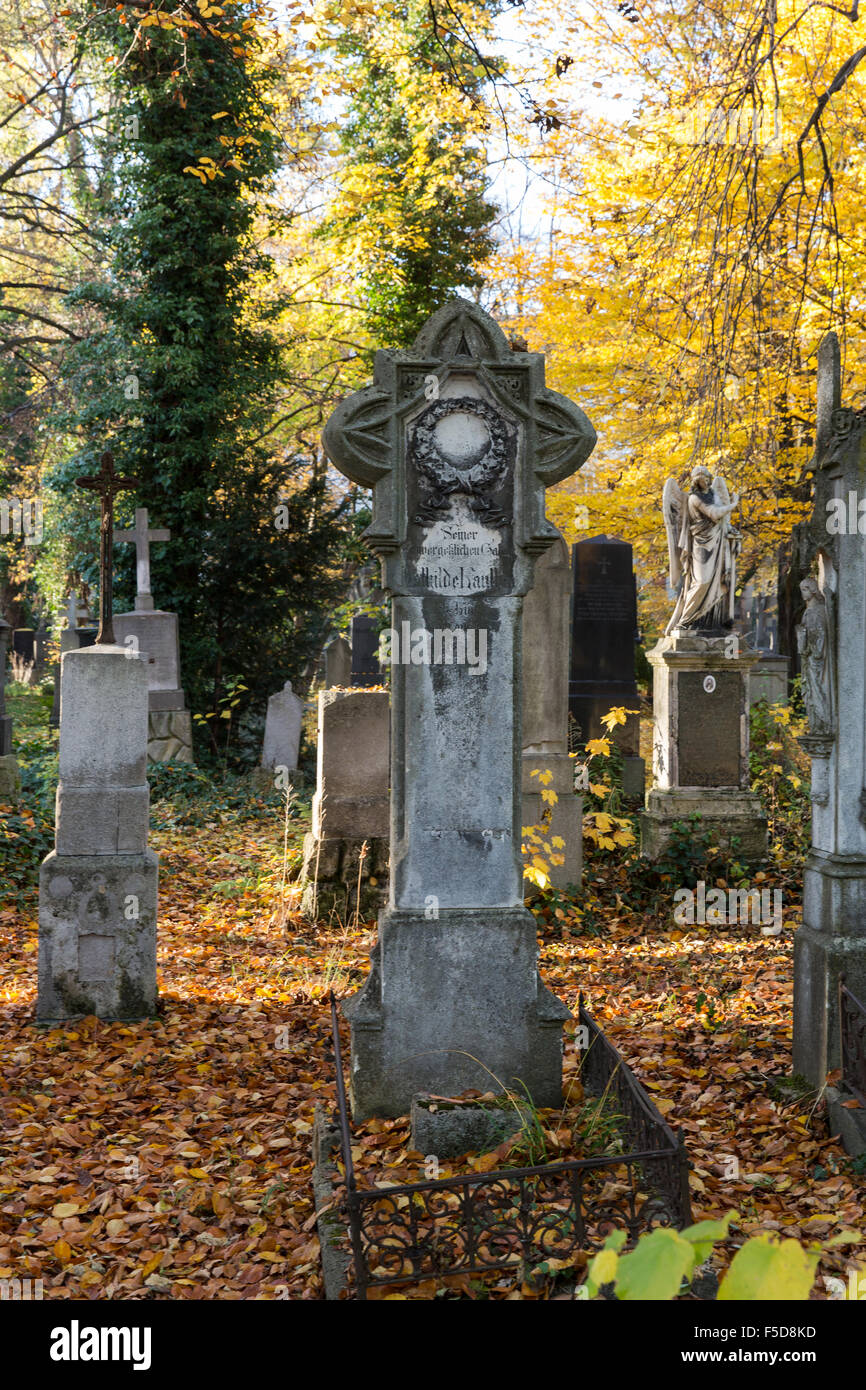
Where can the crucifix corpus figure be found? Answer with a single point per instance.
(702, 547)
(142, 539)
(107, 484)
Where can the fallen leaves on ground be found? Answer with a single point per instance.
(171, 1158)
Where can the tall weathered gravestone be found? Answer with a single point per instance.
(603, 636)
(153, 632)
(459, 438)
(98, 887)
(831, 943)
(546, 624)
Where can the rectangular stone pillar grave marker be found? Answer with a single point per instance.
(459, 438)
(831, 942)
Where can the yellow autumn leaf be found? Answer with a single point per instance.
(598, 747)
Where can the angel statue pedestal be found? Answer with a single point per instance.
(701, 683)
(701, 746)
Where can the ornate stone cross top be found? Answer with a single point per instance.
(458, 434)
(107, 484)
(141, 538)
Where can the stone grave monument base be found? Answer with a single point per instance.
(330, 877)
(701, 744)
(95, 956)
(504, 1032)
(734, 820)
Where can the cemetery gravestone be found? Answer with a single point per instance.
(73, 636)
(603, 637)
(365, 652)
(9, 779)
(98, 887)
(338, 663)
(546, 623)
(459, 438)
(831, 942)
(153, 632)
(283, 729)
(350, 807)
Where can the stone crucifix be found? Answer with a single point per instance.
(459, 438)
(142, 539)
(107, 484)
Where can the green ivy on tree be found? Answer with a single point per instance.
(182, 372)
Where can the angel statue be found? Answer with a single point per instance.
(703, 547)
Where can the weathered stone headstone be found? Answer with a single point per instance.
(338, 663)
(458, 437)
(9, 779)
(546, 626)
(365, 652)
(283, 729)
(350, 807)
(98, 887)
(768, 679)
(603, 635)
(153, 632)
(832, 939)
(701, 684)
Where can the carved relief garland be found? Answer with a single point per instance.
(439, 477)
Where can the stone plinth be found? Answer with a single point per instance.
(545, 633)
(459, 438)
(350, 806)
(701, 745)
(98, 888)
(154, 633)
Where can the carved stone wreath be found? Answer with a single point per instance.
(439, 478)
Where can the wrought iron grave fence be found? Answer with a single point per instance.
(852, 1027)
(519, 1218)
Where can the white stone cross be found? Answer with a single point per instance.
(141, 537)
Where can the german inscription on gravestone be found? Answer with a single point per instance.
(461, 452)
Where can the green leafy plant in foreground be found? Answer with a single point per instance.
(663, 1261)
